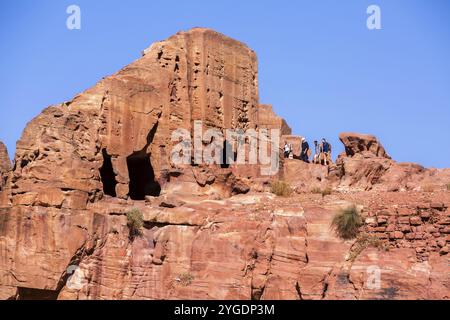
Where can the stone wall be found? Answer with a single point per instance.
(423, 227)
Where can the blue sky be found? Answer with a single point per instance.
(319, 65)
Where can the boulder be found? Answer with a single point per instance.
(365, 145)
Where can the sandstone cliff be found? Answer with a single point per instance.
(209, 232)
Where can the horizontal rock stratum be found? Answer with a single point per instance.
(209, 231)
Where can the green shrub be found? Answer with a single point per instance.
(448, 186)
(346, 223)
(135, 223)
(185, 279)
(281, 188)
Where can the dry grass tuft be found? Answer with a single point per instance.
(135, 223)
(281, 188)
(185, 279)
(347, 222)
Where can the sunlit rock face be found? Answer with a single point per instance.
(113, 143)
(208, 231)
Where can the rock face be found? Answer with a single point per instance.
(269, 120)
(114, 141)
(5, 168)
(5, 163)
(125, 150)
(365, 165)
(81, 166)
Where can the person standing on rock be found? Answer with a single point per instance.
(326, 151)
(287, 150)
(305, 149)
(316, 158)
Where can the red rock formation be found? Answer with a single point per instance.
(365, 165)
(5, 162)
(81, 166)
(114, 140)
(362, 145)
(5, 167)
(124, 123)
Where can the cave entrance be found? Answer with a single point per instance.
(228, 155)
(107, 175)
(36, 294)
(142, 177)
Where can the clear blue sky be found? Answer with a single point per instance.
(319, 65)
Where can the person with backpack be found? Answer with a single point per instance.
(326, 151)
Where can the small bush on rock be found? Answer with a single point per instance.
(324, 192)
(346, 223)
(281, 188)
(185, 279)
(135, 223)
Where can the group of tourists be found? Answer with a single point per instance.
(322, 152)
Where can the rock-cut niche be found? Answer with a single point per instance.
(142, 176)
(107, 175)
(141, 173)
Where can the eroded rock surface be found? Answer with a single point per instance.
(209, 232)
(365, 145)
(5, 168)
(5, 162)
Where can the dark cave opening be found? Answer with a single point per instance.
(36, 294)
(107, 175)
(225, 155)
(228, 155)
(142, 177)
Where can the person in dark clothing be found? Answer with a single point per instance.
(325, 149)
(305, 149)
